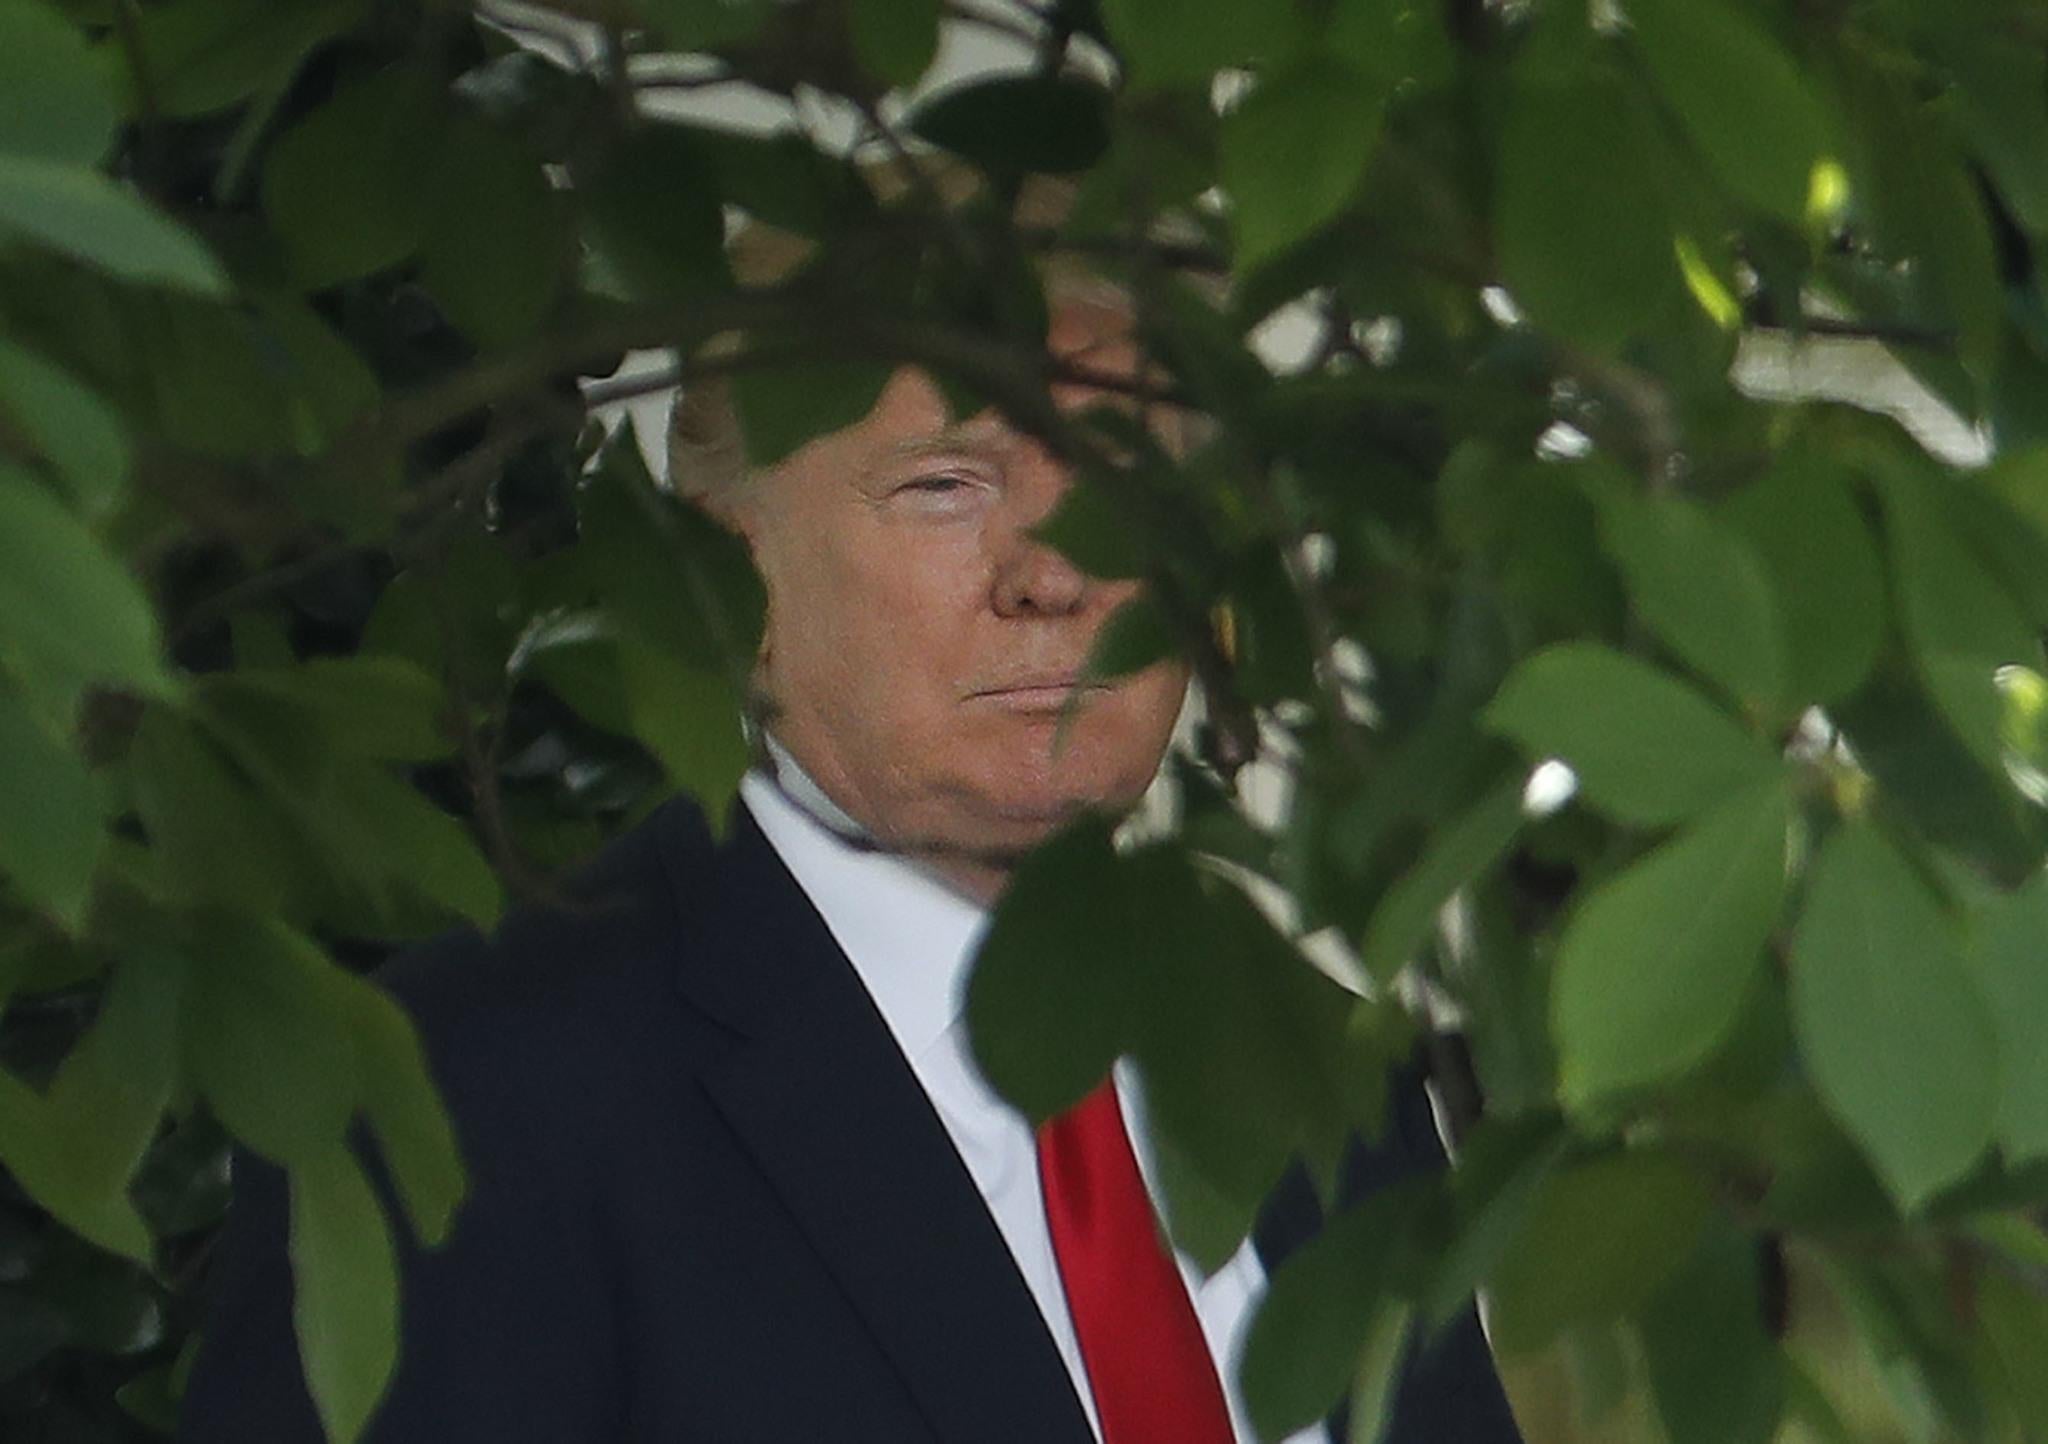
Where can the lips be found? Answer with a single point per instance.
(1048, 691)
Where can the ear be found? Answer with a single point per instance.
(707, 455)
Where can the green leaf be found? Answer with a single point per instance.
(37, 1152)
(1928, 208)
(1889, 1020)
(215, 840)
(1585, 245)
(51, 831)
(268, 1040)
(55, 103)
(1090, 530)
(2009, 955)
(1600, 1239)
(1646, 748)
(1823, 563)
(82, 214)
(1460, 851)
(64, 601)
(109, 1097)
(1699, 585)
(1715, 1374)
(1960, 625)
(894, 40)
(496, 239)
(204, 55)
(1654, 966)
(346, 187)
(363, 705)
(1380, 1371)
(652, 214)
(1137, 635)
(412, 1125)
(1050, 1000)
(2012, 1316)
(2000, 111)
(690, 720)
(783, 408)
(1325, 1304)
(1168, 43)
(1014, 124)
(1293, 152)
(81, 435)
(419, 849)
(1740, 98)
(345, 1294)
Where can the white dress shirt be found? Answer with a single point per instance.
(911, 938)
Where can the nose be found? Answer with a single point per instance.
(1034, 580)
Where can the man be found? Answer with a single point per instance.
(734, 1176)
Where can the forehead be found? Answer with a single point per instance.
(911, 416)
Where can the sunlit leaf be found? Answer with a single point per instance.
(345, 1295)
(1891, 1025)
(1655, 963)
(1645, 746)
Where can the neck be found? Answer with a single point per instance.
(978, 877)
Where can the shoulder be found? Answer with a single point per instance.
(567, 973)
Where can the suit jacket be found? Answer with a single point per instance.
(709, 1201)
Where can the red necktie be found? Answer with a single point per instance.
(1149, 1366)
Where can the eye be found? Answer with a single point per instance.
(944, 493)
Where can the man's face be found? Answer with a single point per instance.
(922, 646)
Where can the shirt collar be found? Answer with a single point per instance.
(910, 937)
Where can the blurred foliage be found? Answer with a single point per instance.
(330, 618)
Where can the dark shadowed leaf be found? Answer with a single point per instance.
(894, 40)
(782, 408)
(51, 831)
(1645, 746)
(496, 240)
(1893, 1030)
(1137, 635)
(1017, 124)
(55, 102)
(78, 432)
(203, 55)
(346, 187)
(1056, 982)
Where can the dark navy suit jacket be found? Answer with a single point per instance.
(709, 1202)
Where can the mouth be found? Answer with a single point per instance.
(1039, 693)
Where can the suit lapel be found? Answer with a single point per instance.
(826, 1105)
